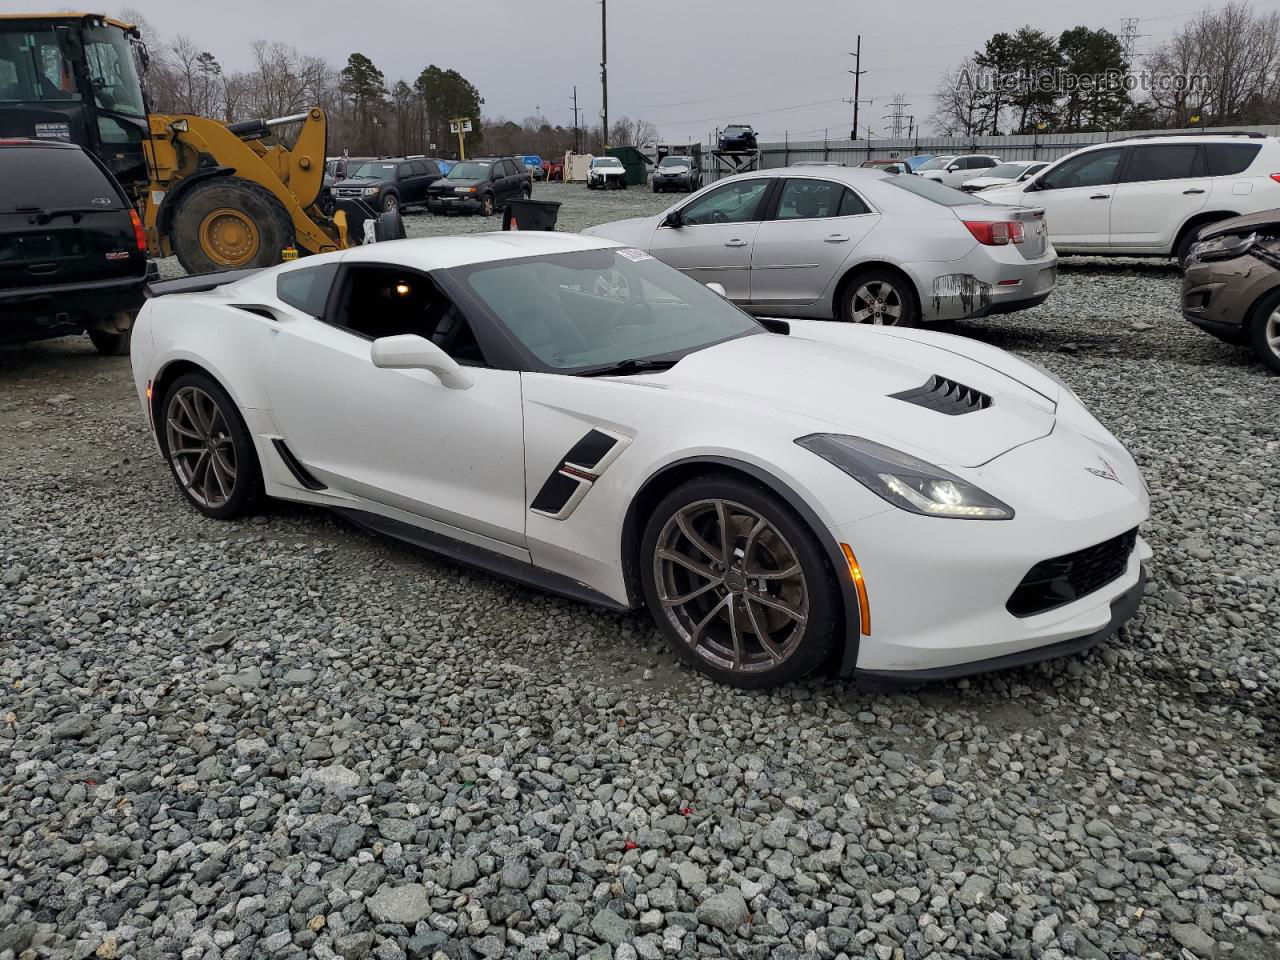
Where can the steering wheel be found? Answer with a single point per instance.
(629, 316)
(719, 216)
(617, 289)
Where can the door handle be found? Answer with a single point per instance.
(835, 238)
(1187, 193)
(1101, 196)
(735, 243)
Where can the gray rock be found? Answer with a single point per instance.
(725, 910)
(611, 928)
(406, 904)
(73, 727)
(1193, 938)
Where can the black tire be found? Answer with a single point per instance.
(487, 205)
(246, 494)
(110, 343)
(903, 293)
(390, 202)
(801, 647)
(257, 204)
(1185, 242)
(1264, 331)
(526, 193)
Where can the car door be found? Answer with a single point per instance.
(1161, 186)
(712, 239)
(516, 179)
(955, 171)
(814, 227)
(1076, 194)
(451, 460)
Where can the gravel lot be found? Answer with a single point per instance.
(285, 738)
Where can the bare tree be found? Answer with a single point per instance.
(634, 133)
(958, 102)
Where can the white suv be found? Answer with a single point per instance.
(1150, 196)
(957, 170)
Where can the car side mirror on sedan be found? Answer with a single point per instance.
(673, 219)
(718, 288)
(408, 351)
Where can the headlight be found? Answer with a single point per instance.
(464, 189)
(907, 482)
(1224, 248)
(371, 191)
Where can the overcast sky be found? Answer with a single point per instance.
(688, 66)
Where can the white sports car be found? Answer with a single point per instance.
(578, 416)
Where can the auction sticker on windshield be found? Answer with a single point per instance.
(634, 255)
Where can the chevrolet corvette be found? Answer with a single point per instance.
(783, 497)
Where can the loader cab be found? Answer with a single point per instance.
(76, 78)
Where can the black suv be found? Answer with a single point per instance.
(480, 186)
(73, 253)
(737, 137)
(390, 183)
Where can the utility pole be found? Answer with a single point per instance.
(604, 69)
(857, 72)
(577, 147)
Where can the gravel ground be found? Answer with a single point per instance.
(285, 738)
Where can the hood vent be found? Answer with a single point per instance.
(945, 396)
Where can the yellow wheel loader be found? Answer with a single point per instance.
(219, 196)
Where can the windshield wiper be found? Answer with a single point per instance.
(630, 365)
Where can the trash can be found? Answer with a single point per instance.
(530, 214)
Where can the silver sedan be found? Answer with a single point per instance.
(852, 244)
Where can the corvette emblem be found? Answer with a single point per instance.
(1107, 472)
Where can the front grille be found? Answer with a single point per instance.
(348, 192)
(946, 396)
(1062, 580)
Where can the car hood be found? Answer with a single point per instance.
(1266, 220)
(447, 183)
(987, 181)
(361, 182)
(845, 381)
(635, 232)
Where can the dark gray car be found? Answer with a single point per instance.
(480, 186)
(389, 184)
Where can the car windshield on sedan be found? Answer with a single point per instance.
(603, 311)
(674, 162)
(373, 171)
(606, 162)
(937, 163)
(469, 170)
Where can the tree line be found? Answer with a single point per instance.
(1222, 67)
(368, 114)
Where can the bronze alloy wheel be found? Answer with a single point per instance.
(731, 585)
(200, 447)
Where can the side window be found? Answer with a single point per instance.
(1229, 159)
(430, 168)
(736, 202)
(307, 288)
(404, 170)
(387, 301)
(852, 205)
(809, 199)
(418, 168)
(497, 170)
(1170, 161)
(981, 163)
(1092, 169)
(515, 169)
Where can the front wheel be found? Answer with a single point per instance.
(1264, 332)
(486, 205)
(878, 297)
(739, 584)
(390, 202)
(208, 447)
(227, 223)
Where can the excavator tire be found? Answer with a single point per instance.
(230, 224)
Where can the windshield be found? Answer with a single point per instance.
(33, 69)
(931, 190)
(606, 162)
(674, 162)
(372, 171)
(595, 308)
(108, 56)
(469, 170)
(731, 131)
(937, 163)
(1009, 170)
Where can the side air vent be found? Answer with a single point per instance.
(945, 396)
(581, 467)
(300, 473)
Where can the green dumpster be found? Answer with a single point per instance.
(636, 164)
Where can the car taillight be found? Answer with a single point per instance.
(1276, 177)
(996, 233)
(139, 233)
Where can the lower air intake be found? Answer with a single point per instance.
(1062, 580)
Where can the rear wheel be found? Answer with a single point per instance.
(878, 297)
(209, 448)
(228, 224)
(1264, 332)
(113, 335)
(738, 583)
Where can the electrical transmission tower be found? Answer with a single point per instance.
(897, 115)
(1129, 37)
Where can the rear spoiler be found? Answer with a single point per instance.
(200, 284)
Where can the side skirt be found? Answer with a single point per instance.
(480, 559)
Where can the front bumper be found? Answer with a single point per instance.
(1218, 295)
(446, 203)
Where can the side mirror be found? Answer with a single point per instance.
(718, 288)
(408, 351)
(953, 168)
(673, 219)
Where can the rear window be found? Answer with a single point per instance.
(48, 177)
(1170, 161)
(1228, 159)
(931, 190)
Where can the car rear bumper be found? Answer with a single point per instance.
(989, 280)
(33, 313)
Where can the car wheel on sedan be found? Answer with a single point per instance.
(878, 297)
(208, 447)
(1264, 332)
(738, 583)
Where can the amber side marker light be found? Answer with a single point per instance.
(864, 605)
